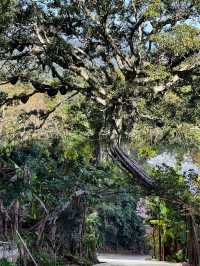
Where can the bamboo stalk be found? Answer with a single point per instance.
(25, 246)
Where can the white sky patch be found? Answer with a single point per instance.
(169, 159)
(187, 165)
(165, 158)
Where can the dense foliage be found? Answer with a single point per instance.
(124, 73)
(58, 190)
(120, 225)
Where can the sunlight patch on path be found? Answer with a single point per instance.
(127, 260)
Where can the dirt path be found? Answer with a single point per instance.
(126, 260)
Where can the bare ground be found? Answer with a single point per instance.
(127, 260)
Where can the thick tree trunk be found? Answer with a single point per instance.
(154, 243)
(159, 243)
(193, 242)
(97, 147)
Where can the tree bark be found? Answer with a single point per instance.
(194, 242)
(132, 167)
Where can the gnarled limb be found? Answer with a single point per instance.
(132, 167)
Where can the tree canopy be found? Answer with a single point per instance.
(128, 72)
(133, 59)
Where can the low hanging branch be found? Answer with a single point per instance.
(132, 167)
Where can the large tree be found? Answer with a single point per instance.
(132, 61)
